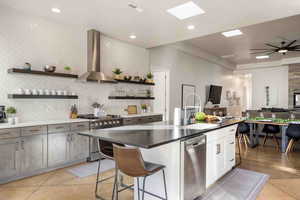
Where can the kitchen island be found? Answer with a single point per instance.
(164, 143)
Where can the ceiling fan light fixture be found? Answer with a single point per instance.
(283, 51)
(262, 57)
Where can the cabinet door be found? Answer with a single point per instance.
(79, 147)
(9, 165)
(211, 170)
(34, 153)
(229, 152)
(57, 148)
(220, 159)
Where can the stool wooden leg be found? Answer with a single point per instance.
(265, 139)
(245, 140)
(248, 139)
(289, 146)
(115, 195)
(165, 184)
(276, 141)
(293, 145)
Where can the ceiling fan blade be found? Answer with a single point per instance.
(291, 43)
(260, 49)
(270, 45)
(261, 52)
(271, 53)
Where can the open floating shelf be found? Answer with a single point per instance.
(133, 98)
(134, 82)
(36, 72)
(24, 96)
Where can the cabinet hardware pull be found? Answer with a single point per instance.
(80, 125)
(59, 127)
(231, 142)
(6, 133)
(232, 130)
(231, 160)
(34, 130)
(22, 144)
(17, 146)
(218, 149)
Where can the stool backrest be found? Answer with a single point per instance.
(129, 161)
(293, 131)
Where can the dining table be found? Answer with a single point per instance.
(254, 135)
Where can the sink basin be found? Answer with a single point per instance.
(201, 126)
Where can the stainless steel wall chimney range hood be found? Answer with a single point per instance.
(94, 72)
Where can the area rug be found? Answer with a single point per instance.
(91, 168)
(239, 184)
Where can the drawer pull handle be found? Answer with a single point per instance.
(35, 130)
(231, 160)
(231, 142)
(81, 125)
(60, 127)
(232, 130)
(6, 133)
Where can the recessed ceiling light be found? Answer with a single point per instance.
(132, 36)
(232, 33)
(56, 10)
(262, 57)
(191, 27)
(187, 10)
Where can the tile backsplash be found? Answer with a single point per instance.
(24, 38)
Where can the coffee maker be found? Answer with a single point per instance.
(2, 114)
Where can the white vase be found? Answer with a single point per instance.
(11, 120)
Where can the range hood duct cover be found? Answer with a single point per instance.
(94, 72)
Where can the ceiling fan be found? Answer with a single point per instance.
(282, 49)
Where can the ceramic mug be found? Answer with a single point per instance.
(27, 91)
(34, 91)
(20, 91)
(47, 92)
(65, 92)
(73, 93)
(59, 92)
(53, 92)
(41, 92)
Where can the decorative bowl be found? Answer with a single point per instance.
(49, 68)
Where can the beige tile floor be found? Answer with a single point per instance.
(284, 183)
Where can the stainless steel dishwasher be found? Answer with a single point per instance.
(193, 167)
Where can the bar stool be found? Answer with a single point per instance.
(106, 151)
(271, 129)
(293, 132)
(243, 132)
(130, 162)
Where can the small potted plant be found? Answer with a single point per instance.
(144, 108)
(149, 77)
(68, 69)
(11, 112)
(117, 73)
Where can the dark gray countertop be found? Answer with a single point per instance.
(152, 134)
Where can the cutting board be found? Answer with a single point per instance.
(132, 109)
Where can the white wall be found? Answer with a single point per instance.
(274, 77)
(25, 38)
(189, 69)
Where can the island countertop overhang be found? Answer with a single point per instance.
(149, 136)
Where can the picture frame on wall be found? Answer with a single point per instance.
(187, 97)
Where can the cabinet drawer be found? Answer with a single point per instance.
(130, 121)
(80, 126)
(10, 133)
(58, 128)
(155, 118)
(34, 130)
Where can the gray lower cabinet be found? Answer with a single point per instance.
(79, 147)
(58, 148)
(33, 153)
(66, 145)
(142, 120)
(9, 162)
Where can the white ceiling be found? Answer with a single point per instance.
(155, 26)
(237, 49)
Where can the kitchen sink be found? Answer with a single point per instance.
(201, 126)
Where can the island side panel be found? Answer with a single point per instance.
(168, 155)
